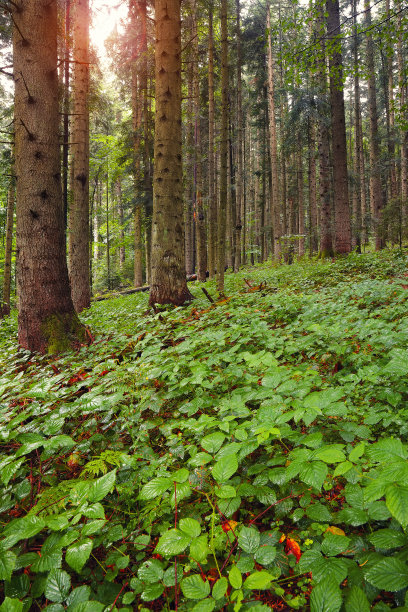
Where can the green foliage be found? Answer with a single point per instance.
(252, 452)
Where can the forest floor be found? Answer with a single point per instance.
(245, 455)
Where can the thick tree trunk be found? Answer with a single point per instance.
(342, 229)
(359, 190)
(403, 99)
(222, 211)
(313, 230)
(189, 183)
(47, 319)
(5, 308)
(168, 282)
(201, 246)
(239, 131)
(212, 198)
(376, 194)
(78, 222)
(65, 121)
(273, 144)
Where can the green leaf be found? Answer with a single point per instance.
(102, 486)
(397, 503)
(18, 586)
(199, 549)
(152, 591)
(385, 539)
(213, 442)
(225, 468)
(313, 473)
(330, 454)
(235, 577)
(352, 516)
(356, 600)
(265, 554)
(22, 529)
(79, 595)
(78, 554)
(357, 452)
(200, 459)
(342, 468)
(206, 605)
(155, 487)
(150, 571)
(173, 542)
(389, 574)
(326, 597)
(7, 563)
(220, 588)
(249, 539)
(225, 492)
(57, 585)
(7, 472)
(334, 544)
(180, 476)
(191, 527)
(11, 605)
(259, 580)
(88, 606)
(194, 587)
(93, 527)
(319, 512)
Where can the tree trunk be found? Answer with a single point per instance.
(47, 320)
(403, 117)
(313, 236)
(5, 308)
(65, 145)
(273, 144)
(212, 198)
(342, 229)
(376, 194)
(359, 190)
(239, 127)
(168, 281)
(222, 211)
(78, 222)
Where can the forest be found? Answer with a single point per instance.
(203, 305)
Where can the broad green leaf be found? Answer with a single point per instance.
(194, 587)
(79, 595)
(319, 512)
(200, 459)
(220, 588)
(385, 539)
(342, 468)
(150, 571)
(397, 503)
(352, 516)
(389, 574)
(225, 492)
(93, 527)
(78, 554)
(152, 591)
(206, 605)
(357, 452)
(7, 473)
(10, 604)
(88, 606)
(190, 526)
(173, 542)
(213, 442)
(180, 476)
(95, 511)
(313, 473)
(259, 580)
(18, 586)
(155, 487)
(356, 600)
(169, 577)
(57, 585)
(199, 549)
(334, 544)
(265, 554)
(22, 529)
(225, 468)
(102, 486)
(235, 577)
(387, 450)
(249, 539)
(332, 453)
(7, 563)
(326, 597)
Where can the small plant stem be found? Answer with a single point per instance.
(212, 532)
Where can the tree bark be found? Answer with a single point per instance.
(47, 320)
(212, 197)
(342, 223)
(5, 308)
(222, 211)
(273, 144)
(168, 274)
(239, 130)
(376, 194)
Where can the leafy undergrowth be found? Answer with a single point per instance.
(247, 455)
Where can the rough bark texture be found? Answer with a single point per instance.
(47, 321)
(212, 198)
(168, 275)
(222, 211)
(239, 131)
(5, 307)
(376, 194)
(313, 229)
(342, 229)
(273, 145)
(359, 191)
(78, 222)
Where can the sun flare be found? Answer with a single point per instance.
(106, 16)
